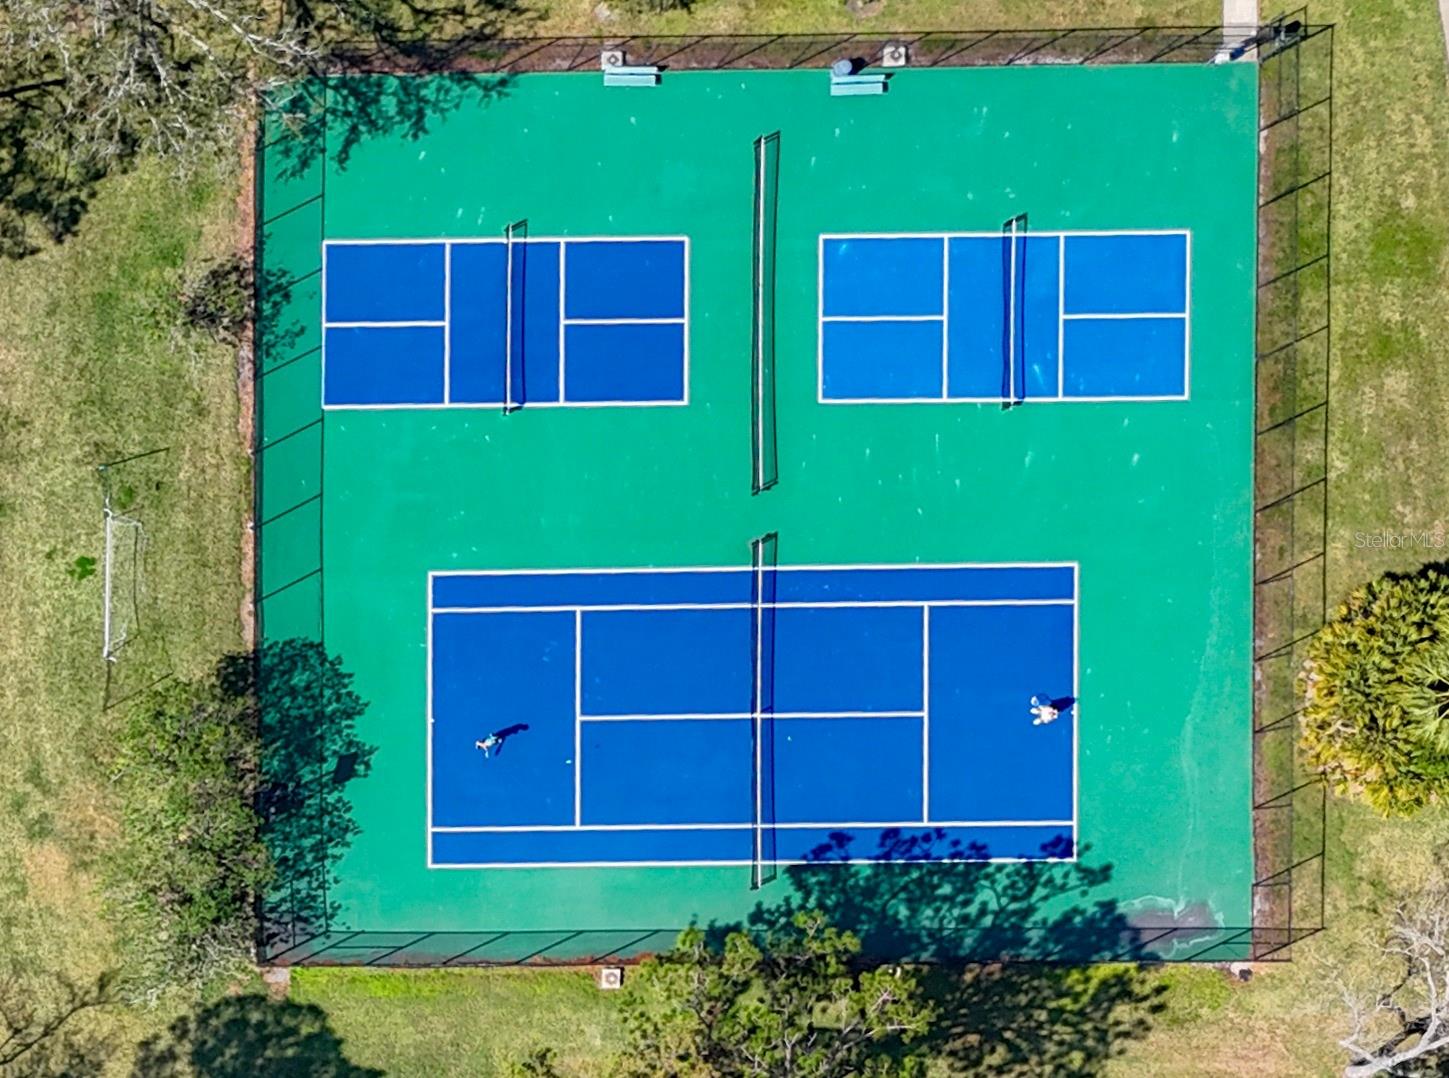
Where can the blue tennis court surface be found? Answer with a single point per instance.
(740, 715)
(505, 322)
(1004, 317)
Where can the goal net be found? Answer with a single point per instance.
(122, 580)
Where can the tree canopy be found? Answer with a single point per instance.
(88, 89)
(793, 1004)
(1375, 686)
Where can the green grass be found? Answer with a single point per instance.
(86, 370)
(462, 1022)
(808, 16)
(90, 373)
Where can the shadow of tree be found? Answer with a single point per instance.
(327, 118)
(39, 1018)
(307, 715)
(247, 1036)
(999, 936)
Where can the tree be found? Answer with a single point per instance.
(1403, 1029)
(227, 785)
(792, 1003)
(1375, 687)
(88, 89)
(182, 882)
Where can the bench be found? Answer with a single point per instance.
(850, 85)
(631, 76)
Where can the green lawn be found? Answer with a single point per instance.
(463, 1022)
(87, 371)
(89, 374)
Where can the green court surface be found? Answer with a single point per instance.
(1151, 499)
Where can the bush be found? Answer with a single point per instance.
(791, 1003)
(182, 883)
(1376, 693)
(216, 299)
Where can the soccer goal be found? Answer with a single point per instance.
(123, 555)
(122, 579)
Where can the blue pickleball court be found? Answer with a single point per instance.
(739, 715)
(1010, 317)
(505, 322)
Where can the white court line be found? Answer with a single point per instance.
(945, 317)
(997, 400)
(624, 321)
(1076, 701)
(1187, 316)
(732, 863)
(842, 604)
(1061, 310)
(578, 712)
(745, 826)
(684, 388)
(925, 713)
(428, 814)
(820, 321)
(508, 242)
(424, 323)
(1062, 235)
(447, 324)
(883, 318)
(644, 827)
(987, 234)
(488, 241)
(563, 365)
(493, 406)
(705, 716)
(757, 706)
(818, 567)
(1121, 316)
(322, 351)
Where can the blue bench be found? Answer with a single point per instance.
(631, 76)
(850, 85)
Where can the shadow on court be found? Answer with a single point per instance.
(916, 894)
(307, 715)
(244, 1036)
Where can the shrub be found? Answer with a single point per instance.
(1375, 686)
(182, 883)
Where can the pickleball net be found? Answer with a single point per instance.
(763, 564)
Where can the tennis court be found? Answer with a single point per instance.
(700, 481)
(755, 713)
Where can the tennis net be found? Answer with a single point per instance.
(515, 243)
(763, 563)
(1013, 317)
(764, 460)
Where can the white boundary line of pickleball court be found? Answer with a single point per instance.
(580, 717)
(1063, 317)
(448, 243)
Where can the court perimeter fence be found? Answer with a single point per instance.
(1295, 63)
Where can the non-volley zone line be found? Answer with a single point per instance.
(640, 732)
